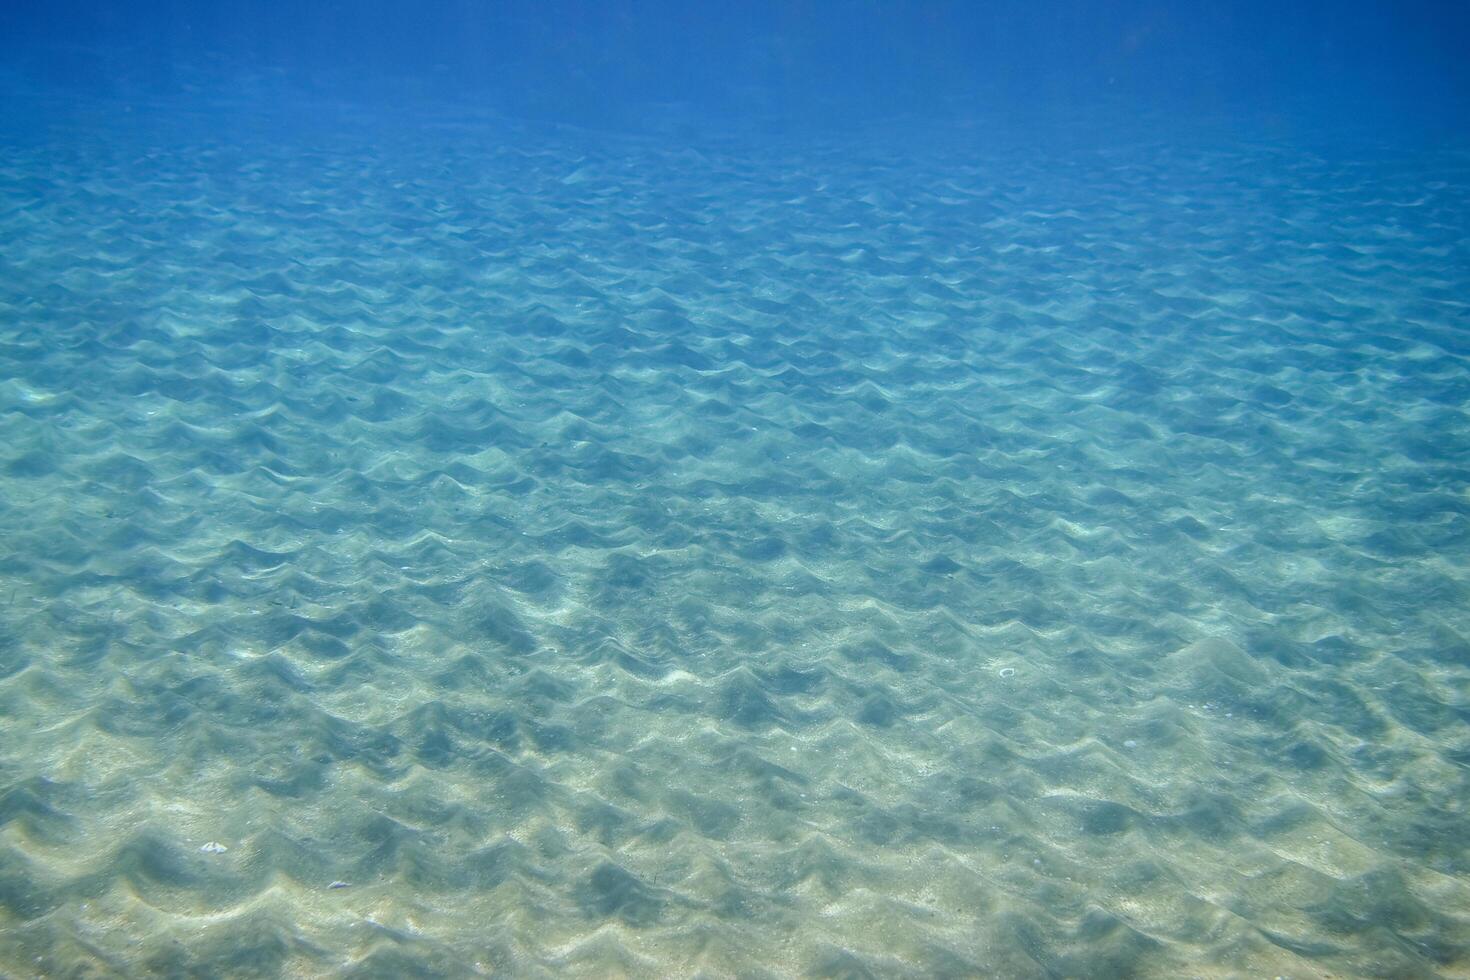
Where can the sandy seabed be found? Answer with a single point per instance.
(514, 553)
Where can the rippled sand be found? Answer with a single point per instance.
(509, 552)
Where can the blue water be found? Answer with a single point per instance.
(823, 490)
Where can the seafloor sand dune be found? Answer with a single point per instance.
(529, 559)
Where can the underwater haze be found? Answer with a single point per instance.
(807, 489)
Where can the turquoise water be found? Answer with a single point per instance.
(494, 551)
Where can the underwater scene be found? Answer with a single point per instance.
(472, 541)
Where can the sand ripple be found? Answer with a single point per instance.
(527, 557)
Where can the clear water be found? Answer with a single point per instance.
(498, 549)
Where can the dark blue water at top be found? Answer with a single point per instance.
(1370, 66)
